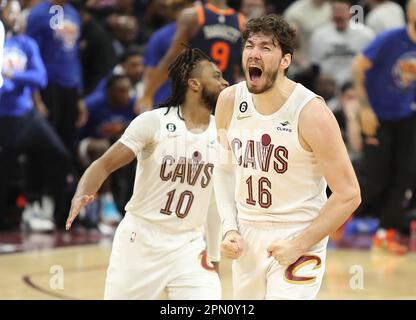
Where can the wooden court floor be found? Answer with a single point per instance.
(350, 274)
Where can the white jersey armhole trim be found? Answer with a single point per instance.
(237, 94)
(297, 115)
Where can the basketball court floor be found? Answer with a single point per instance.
(73, 266)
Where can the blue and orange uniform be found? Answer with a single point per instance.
(219, 36)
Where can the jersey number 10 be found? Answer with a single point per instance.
(180, 211)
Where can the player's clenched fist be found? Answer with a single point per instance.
(285, 252)
(232, 245)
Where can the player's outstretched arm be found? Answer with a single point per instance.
(114, 158)
(185, 26)
(224, 177)
(320, 132)
(140, 133)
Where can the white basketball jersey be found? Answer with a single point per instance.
(173, 185)
(276, 178)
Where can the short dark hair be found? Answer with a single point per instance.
(347, 86)
(180, 72)
(275, 26)
(130, 52)
(113, 79)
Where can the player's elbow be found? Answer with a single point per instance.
(352, 196)
(356, 200)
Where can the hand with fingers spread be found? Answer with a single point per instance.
(78, 202)
(285, 252)
(232, 245)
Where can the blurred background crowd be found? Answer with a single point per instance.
(77, 72)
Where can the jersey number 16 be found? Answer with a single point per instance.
(264, 195)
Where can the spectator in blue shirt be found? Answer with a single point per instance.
(131, 65)
(23, 130)
(385, 74)
(55, 25)
(110, 111)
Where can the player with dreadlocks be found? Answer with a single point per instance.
(159, 246)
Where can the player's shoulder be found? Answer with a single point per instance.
(228, 94)
(315, 114)
(225, 106)
(188, 15)
(152, 115)
(226, 98)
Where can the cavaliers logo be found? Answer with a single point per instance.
(205, 263)
(291, 271)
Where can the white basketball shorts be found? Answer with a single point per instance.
(147, 261)
(257, 276)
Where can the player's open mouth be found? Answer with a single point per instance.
(255, 73)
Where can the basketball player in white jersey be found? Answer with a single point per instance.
(280, 147)
(159, 245)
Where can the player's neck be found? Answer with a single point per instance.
(272, 100)
(195, 115)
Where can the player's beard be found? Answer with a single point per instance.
(209, 99)
(270, 76)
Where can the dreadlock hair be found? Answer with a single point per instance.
(180, 71)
